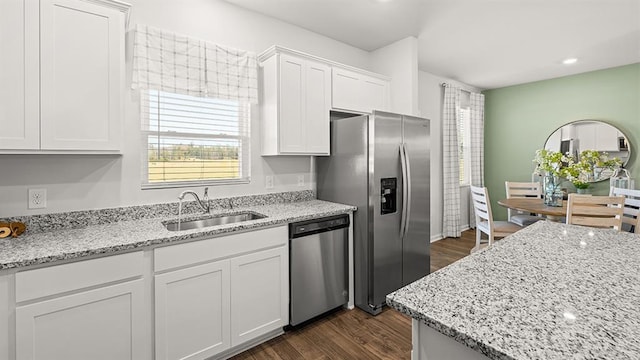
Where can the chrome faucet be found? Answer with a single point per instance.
(204, 203)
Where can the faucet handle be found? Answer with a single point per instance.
(206, 193)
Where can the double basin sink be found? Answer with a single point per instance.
(221, 219)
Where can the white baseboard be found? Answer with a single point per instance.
(439, 237)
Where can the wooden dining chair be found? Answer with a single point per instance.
(631, 217)
(484, 219)
(515, 189)
(595, 211)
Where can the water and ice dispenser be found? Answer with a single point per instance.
(388, 195)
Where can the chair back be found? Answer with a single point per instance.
(631, 207)
(595, 211)
(515, 189)
(481, 205)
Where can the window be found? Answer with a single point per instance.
(464, 144)
(190, 140)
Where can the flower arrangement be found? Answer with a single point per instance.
(589, 167)
(552, 162)
(581, 172)
(553, 165)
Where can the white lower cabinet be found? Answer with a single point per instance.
(103, 323)
(91, 309)
(193, 312)
(259, 294)
(203, 299)
(217, 295)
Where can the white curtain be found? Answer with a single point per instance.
(451, 165)
(176, 63)
(476, 176)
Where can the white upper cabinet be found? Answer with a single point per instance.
(77, 48)
(82, 67)
(298, 92)
(359, 91)
(296, 100)
(597, 136)
(19, 95)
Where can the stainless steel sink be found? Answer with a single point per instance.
(213, 221)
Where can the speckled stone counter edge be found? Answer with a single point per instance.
(458, 336)
(417, 300)
(83, 218)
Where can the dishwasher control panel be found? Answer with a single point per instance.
(318, 225)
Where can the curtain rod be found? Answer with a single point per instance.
(444, 84)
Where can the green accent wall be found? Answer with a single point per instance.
(518, 120)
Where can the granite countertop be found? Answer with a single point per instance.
(113, 237)
(549, 291)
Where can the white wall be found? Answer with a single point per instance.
(400, 62)
(431, 96)
(79, 182)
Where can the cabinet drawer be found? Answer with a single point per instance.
(33, 284)
(170, 257)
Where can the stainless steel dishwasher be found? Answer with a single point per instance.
(318, 276)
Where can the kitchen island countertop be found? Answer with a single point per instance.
(549, 291)
(120, 236)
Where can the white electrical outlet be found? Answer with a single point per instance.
(37, 198)
(300, 180)
(268, 182)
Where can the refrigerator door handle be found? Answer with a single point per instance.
(408, 182)
(405, 191)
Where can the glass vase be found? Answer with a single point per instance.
(552, 190)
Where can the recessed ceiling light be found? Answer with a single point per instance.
(569, 61)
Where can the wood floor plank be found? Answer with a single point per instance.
(355, 334)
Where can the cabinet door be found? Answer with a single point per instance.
(192, 312)
(345, 90)
(259, 294)
(586, 135)
(82, 60)
(105, 323)
(19, 95)
(291, 129)
(606, 138)
(317, 107)
(359, 92)
(375, 94)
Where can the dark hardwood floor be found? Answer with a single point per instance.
(354, 334)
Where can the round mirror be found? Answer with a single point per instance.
(577, 136)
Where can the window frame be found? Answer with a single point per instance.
(243, 138)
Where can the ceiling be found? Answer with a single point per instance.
(482, 43)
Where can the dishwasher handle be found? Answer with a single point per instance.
(316, 226)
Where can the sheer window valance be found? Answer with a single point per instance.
(178, 64)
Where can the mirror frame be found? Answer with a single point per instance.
(607, 175)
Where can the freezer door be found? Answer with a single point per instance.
(386, 246)
(415, 246)
(343, 177)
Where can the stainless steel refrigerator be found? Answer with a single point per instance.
(380, 163)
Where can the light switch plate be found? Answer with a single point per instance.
(300, 180)
(268, 182)
(37, 198)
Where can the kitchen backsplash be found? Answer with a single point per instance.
(84, 218)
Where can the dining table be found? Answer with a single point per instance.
(536, 206)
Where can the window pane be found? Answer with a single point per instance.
(464, 137)
(461, 137)
(195, 139)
